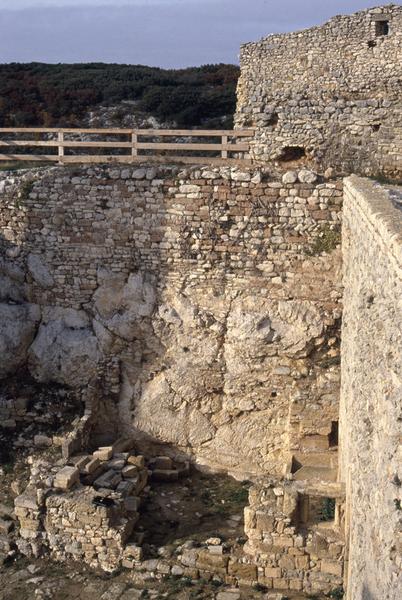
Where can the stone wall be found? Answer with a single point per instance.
(206, 301)
(329, 94)
(370, 415)
(295, 546)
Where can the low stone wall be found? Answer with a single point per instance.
(205, 303)
(329, 94)
(370, 418)
(84, 508)
(294, 546)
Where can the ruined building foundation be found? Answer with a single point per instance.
(241, 321)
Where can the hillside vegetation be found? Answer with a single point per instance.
(37, 94)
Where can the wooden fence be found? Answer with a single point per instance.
(129, 145)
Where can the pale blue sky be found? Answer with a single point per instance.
(165, 33)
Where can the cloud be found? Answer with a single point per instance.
(165, 33)
(26, 4)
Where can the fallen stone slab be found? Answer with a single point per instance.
(138, 461)
(104, 453)
(81, 461)
(162, 462)
(91, 466)
(42, 441)
(165, 475)
(129, 471)
(125, 488)
(109, 480)
(66, 478)
(27, 500)
(116, 463)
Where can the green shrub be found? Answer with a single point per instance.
(327, 511)
(326, 241)
(337, 593)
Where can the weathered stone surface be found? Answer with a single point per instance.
(17, 330)
(198, 321)
(120, 304)
(333, 108)
(370, 452)
(66, 478)
(11, 282)
(39, 271)
(65, 349)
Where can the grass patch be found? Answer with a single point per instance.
(19, 165)
(231, 497)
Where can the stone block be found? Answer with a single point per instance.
(228, 595)
(42, 441)
(129, 471)
(265, 522)
(243, 571)
(332, 567)
(216, 549)
(284, 541)
(104, 453)
(116, 463)
(287, 562)
(27, 500)
(138, 461)
(212, 562)
(273, 572)
(66, 478)
(133, 551)
(125, 488)
(91, 466)
(281, 584)
(80, 462)
(315, 442)
(165, 475)
(162, 462)
(109, 480)
(296, 584)
(302, 562)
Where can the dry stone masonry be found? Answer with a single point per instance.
(370, 411)
(217, 293)
(189, 318)
(329, 94)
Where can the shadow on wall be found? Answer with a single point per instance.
(39, 337)
(366, 594)
(151, 284)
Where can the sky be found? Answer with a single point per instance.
(162, 33)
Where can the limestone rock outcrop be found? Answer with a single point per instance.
(120, 304)
(18, 324)
(65, 350)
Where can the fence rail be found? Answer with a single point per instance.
(137, 145)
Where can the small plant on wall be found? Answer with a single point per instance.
(326, 241)
(327, 511)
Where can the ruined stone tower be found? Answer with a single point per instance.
(329, 95)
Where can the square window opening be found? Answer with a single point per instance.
(381, 28)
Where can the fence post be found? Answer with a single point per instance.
(224, 141)
(134, 140)
(60, 139)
